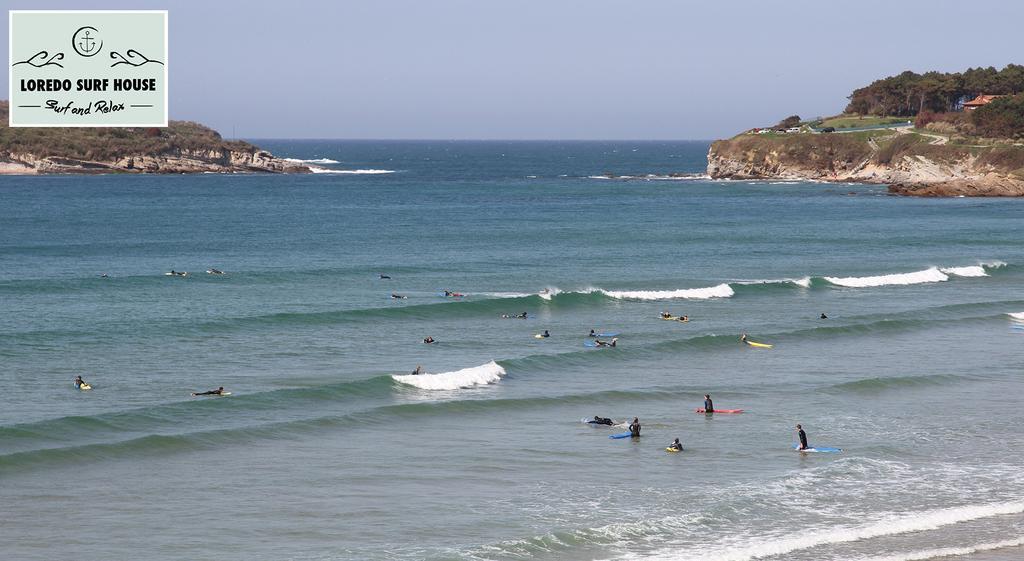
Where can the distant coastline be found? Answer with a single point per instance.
(181, 148)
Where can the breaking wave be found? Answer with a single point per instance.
(719, 291)
(313, 161)
(466, 378)
(932, 274)
(887, 526)
(352, 171)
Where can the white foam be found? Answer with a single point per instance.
(549, 292)
(718, 291)
(314, 161)
(1016, 315)
(886, 526)
(946, 551)
(973, 271)
(928, 275)
(466, 378)
(352, 171)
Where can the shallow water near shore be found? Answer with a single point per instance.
(328, 449)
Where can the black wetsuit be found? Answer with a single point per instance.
(601, 421)
(803, 439)
(634, 430)
(709, 407)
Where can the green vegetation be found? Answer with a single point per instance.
(909, 93)
(855, 121)
(1003, 118)
(107, 144)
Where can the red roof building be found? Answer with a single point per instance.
(977, 102)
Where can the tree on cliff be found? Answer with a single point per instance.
(788, 122)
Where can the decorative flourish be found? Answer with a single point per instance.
(135, 58)
(41, 59)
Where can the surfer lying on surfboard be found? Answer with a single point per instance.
(601, 421)
(611, 343)
(218, 391)
(743, 338)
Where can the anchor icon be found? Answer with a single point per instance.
(86, 42)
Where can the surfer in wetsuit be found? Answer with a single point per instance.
(743, 337)
(545, 334)
(384, 277)
(397, 296)
(613, 342)
(676, 445)
(823, 316)
(428, 340)
(665, 315)
(79, 382)
(634, 428)
(592, 333)
(802, 436)
(602, 421)
(418, 371)
(218, 391)
(522, 315)
(709, 406)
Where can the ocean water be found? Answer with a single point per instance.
(328, 449)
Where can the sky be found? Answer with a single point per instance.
(548, 69)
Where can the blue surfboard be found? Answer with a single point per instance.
(817, 449)
(589, 344)
(626, 434)
(613, 334)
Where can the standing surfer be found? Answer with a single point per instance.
(800, 434)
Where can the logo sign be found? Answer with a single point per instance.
(89, 68)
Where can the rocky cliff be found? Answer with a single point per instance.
(910, 163)
(181, 147)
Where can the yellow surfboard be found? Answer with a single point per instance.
(758, 345)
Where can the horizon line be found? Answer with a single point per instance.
(254, 138)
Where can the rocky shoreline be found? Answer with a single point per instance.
(913, 169)
(176, 162)
(180, 147)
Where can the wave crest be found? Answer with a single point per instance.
(972, 271)
(719, 291)
(466, 378)
(313, 161)
(887, 526)
(352, 171)
(928, 275)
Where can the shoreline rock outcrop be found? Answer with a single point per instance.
(908, 163)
